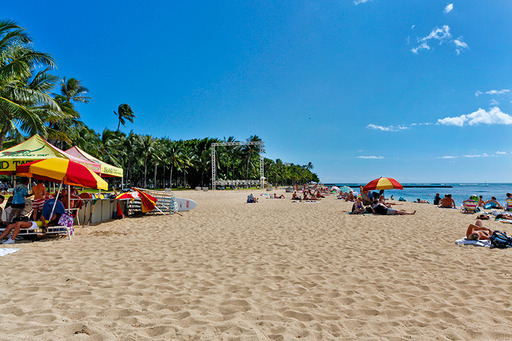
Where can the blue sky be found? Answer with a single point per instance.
(417, 90)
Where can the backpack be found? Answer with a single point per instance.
(500, 240)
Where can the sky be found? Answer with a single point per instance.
(416, 90)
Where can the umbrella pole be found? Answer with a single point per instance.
(69, 199)
(55, 202)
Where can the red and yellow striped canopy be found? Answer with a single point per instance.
(383, 183)
(62, 170)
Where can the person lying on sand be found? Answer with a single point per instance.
(422, 201)
(447, 202)
(278, 197)
(478, 232)
(504, 216)
(379, 208)
(16, 227)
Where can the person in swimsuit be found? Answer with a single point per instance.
(380, 208)
(447, 202)
(493, 203)
(358, 206)
(39, 192)
(15, 228)
(478, 232)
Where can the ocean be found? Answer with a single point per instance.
(459, 192)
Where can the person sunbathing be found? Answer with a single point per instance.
(504, 216)
(278, 197)
(380, 208)
(447, 202)
(478, 232)
(15, 228)
(422, 201)
(358, 207)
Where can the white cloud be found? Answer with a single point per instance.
(442, 35)
(412, 27)
(388, 128)
(494, 102)
(478, 93)
(481, 116)
(371, 157)
(448, 8)
(497, 92)
(475, 155)
(501, 153)
(448, 157)
(357, 2)
(460, 45)
(423, 46)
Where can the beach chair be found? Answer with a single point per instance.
(508, 207)
(470, 206)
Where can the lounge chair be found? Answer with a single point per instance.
(470, 206)
(508, 206)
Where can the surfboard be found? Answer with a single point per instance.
(185, 204)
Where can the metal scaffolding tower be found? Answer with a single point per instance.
(216, 182)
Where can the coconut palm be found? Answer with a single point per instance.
(124, 112)
(21, 101)
(73, 90)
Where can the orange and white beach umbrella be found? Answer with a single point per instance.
(382, 183)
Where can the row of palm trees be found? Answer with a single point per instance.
(28, 106)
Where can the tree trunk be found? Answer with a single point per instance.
(170, 178)
(154, 177)
(145, 172)
(3, 135)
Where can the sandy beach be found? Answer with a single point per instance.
(274, 270)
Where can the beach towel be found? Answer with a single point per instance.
(506, 221)
(464, 241)
(6, 251)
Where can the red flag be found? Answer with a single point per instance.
(148, 202)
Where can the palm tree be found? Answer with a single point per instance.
(21, 101)
(124, 112)
(72, 89)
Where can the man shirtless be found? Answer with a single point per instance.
(478, 232)
(447, 202)
(39, 192)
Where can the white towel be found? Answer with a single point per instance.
(464, 241)
(6, 251)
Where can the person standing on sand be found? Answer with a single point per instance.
(18, 198)
(39, 192)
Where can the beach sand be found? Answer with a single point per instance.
(274, 270)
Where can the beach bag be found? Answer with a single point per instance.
(500, 240)
(67, 220)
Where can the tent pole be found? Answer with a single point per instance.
(55, 202)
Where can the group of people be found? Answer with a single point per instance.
(42, 205)
(448, 202)
(379, 206)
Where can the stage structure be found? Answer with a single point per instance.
(216, 182)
